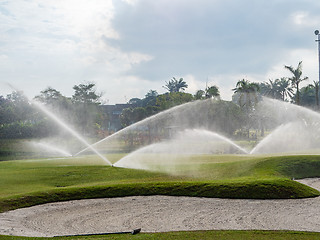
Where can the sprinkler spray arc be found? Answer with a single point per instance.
(70, 130)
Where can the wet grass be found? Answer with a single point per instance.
(257, 189)
(30, 182)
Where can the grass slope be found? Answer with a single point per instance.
(259, 189)
(27, 183)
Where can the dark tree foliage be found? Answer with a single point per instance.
(19, 119)
(175, 85)
(168, 100)
(85, 93)
(200, 94)
(212, 92)
(296, 79)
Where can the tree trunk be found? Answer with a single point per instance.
(298, 95)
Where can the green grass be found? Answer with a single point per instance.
(265, 189)
(26, 183)
(30, 182)
(11, 149)
(190, 235)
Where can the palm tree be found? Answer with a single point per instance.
(296, 79)
(248, 93)
(175, 85)
(315, 86)
(270, 89)
(212, 92)
(284, 88)
(199, 94)
(151, 93)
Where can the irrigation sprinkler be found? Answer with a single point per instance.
(133, 232)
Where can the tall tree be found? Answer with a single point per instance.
(21, 107)
(168, 100)
(175, 85)
(150, 98)
(270, 89)
(49, 96)
(278, 89)
(284, 88)
(212, 92)
(86, 111)
(296, 79)
(247, 93)
(315, 87)
(86, 93)
(200, 94)
(151, 93)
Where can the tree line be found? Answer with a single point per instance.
(20, 119)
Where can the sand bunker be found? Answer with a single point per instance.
(161, 214)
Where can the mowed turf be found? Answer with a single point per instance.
(30, 182)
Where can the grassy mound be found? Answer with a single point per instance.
(258, 189)
(305, 166)
(26, 183)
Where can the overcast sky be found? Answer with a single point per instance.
(129, 47)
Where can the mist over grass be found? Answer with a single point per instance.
(30, 182)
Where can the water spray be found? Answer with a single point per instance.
(65, 126)
(69, 129)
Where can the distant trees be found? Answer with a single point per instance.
(150, 98)
(209, 92)
(168, 100)
(277, 89)
(247, 92)
(296, 79)
(270, 89)
(175, 85)
(132, 115)
(212, 92)
(55, 101)
(85, 108)
(86, 93)
(83, 111)
(200, 94)
(154, 103)
(49, 96)
(286, 92)
(151, 94)
(315, 87)
(19, 119)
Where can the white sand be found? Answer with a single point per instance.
(161, 214)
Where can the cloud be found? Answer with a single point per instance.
(215, 37)
(129, 47)
(60, 44)
(305, 19)
(222, 40)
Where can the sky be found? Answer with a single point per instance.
(128, 47)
